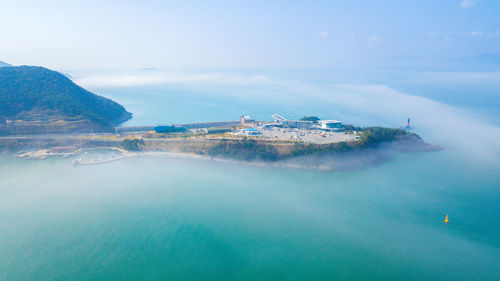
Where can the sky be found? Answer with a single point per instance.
(445, 35)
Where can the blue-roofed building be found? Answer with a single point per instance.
(248, 132)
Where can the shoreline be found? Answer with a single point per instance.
(254, 150)
(326, 162)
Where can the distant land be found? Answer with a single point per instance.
(39, 100)
(3, 64)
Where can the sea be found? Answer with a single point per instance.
(175, 218)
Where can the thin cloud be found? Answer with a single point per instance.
(493, 34)
(476, 33)
(166, 78)
(373, 40)
(488, 35)
(466, 4)
(323, 34)
(433, 34)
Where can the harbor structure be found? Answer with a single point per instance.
(301, 124)
(178, 127)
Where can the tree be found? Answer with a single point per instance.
(132, 144)
(314, 119)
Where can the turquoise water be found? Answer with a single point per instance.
(167, 218)
(163, 218)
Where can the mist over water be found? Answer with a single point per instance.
(353, 160)
(158, 97)
(183, 219)
(156, 218)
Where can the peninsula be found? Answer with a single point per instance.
(43, 113)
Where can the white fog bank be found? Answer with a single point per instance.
(439, 123)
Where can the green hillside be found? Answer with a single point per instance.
(32, 89)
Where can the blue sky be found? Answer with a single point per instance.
(248, 34)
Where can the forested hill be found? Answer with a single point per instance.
(32, 89)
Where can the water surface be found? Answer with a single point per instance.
(171, 218)
(162, 218)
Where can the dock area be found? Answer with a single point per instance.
(44, 153)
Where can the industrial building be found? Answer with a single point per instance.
(168, 129)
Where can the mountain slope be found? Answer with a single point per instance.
(3, 64)
(32, 93)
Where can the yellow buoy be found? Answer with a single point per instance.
(446, 219)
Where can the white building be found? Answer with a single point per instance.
(245, 119)
(333, 125)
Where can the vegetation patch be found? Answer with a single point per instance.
(251, 149)
(245, 149)
(29, 90)
(132, 144)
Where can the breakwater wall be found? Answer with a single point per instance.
(186, 125)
